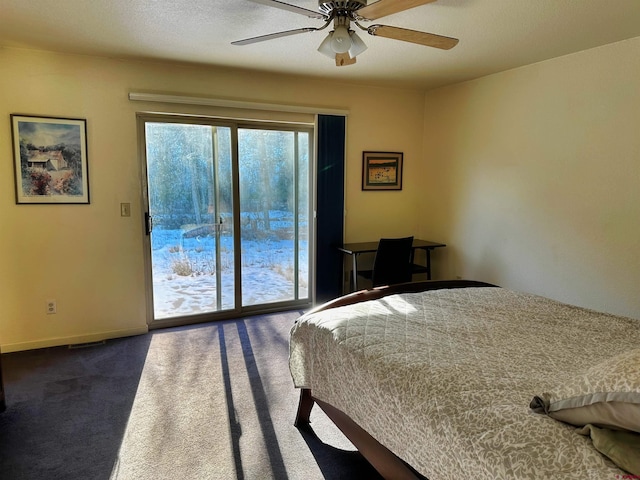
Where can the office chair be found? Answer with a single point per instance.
(392, 263)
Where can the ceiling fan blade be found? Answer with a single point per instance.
(344, 59)
(413, 36)
(271, 36)
(382, 8)
(292, 8)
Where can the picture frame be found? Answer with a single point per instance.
(50, 159)
(382, 170)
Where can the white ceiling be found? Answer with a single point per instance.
(495, 35)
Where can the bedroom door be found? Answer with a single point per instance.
(228, 217)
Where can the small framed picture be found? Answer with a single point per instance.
(50, 159)
(381, 171)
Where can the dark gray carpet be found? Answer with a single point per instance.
(212, 401)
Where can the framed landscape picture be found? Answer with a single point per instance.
(50, 159)
(381, 171)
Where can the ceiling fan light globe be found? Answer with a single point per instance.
(357, 45)
(340, 40)
(325, 47)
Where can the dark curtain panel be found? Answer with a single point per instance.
(330, 206)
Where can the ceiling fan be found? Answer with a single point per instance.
(342, 43)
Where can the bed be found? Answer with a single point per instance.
(449, 379)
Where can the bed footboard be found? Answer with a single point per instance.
(380, 457)
(412, 287)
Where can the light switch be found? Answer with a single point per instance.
(125, 209)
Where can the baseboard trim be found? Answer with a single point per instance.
(77, 339)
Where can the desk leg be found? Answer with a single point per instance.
(354, 272)
(428, 250)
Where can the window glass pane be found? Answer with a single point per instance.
(189, 188)
(267, 166)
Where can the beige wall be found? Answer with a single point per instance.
(89, 258)
(530, 176)
(533, 178)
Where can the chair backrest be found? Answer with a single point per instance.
(392, 263)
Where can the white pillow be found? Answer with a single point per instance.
(606, 395)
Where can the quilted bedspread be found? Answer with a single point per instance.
(444, 378)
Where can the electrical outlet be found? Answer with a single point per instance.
(125, 209)
(52, 307)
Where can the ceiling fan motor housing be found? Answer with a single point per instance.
(340, 6)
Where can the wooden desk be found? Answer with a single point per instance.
(355, 249)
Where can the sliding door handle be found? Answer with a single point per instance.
(148, 223)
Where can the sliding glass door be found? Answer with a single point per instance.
(274, 209)
(228, 217)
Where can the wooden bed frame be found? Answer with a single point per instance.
(380, 457)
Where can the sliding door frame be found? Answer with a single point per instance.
(141, 119)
